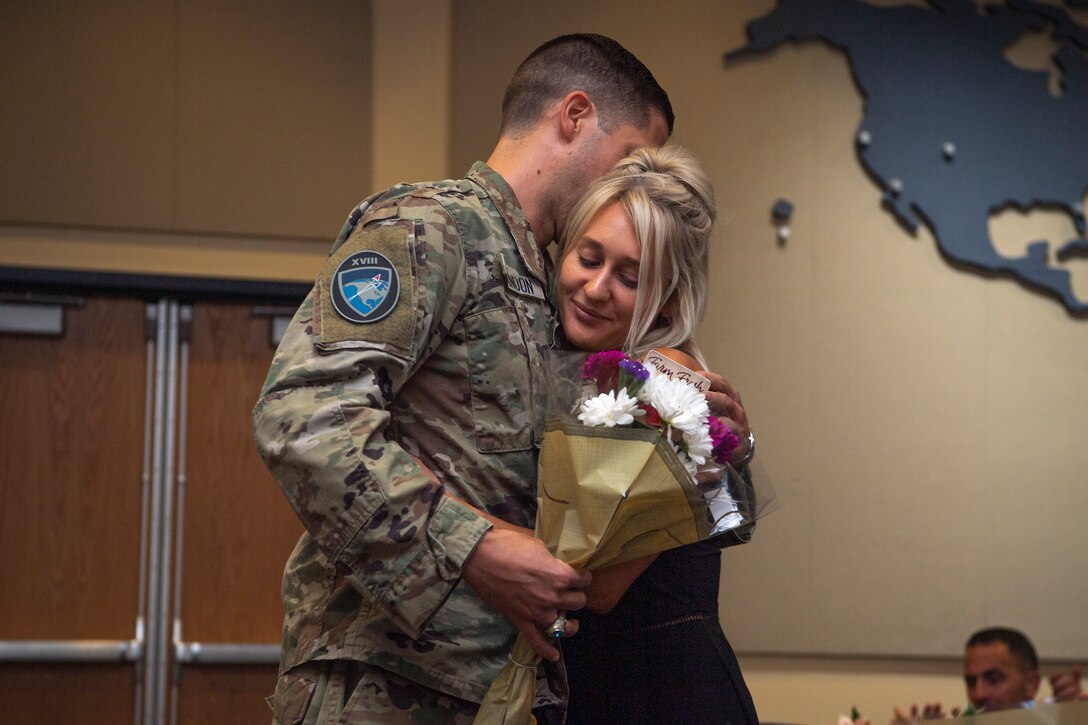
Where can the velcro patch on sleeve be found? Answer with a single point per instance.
(368, 290)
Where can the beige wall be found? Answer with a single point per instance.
(919, 423)
(182, 132)
(922, 426)
(208, 139)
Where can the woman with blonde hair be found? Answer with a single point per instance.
(633, 275)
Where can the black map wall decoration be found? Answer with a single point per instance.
(952, 131)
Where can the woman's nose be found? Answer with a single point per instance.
(596, 286)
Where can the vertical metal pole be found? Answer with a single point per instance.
(153, 651)
(162, 615)
(150, 329)
(186, 314)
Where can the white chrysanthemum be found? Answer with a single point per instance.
(683, 408)
(699, 445)
(609, 409)
(680, 404)
(689, 465)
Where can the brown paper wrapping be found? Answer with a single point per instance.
(605, 496)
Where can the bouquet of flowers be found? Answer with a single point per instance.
(637, 443)
(636, 466)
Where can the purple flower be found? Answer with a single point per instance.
(635, 369)
(632, 375)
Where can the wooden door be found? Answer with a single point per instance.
(71, 453)
(238, 529)
(75, 432)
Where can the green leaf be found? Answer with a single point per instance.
(854, 714)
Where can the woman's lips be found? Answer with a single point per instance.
(587, 312)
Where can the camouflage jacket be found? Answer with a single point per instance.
(423, 337)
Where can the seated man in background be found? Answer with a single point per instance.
(1001, 671)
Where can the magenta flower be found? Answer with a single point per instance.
(725, 441)
(604, 368)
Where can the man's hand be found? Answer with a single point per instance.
(725, 403)
(931, 711)
(1067, 687)
(519, 578)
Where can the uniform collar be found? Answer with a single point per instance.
(504, 199)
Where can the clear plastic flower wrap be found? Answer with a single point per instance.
(632, 463)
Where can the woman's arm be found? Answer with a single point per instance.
(612, 582)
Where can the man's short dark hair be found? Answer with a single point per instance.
(623, 89)
(1019, 645)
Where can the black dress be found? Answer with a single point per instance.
(660, 656)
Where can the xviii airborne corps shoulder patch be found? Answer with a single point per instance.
(365, 287)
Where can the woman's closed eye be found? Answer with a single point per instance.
(627, 279)
(588, 263)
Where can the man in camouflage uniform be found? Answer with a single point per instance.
(420, 347)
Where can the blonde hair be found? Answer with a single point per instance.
(670, 201)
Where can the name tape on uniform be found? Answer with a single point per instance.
(520, 284)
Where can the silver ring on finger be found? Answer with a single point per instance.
(558, 628)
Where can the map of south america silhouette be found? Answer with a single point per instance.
(952, 131)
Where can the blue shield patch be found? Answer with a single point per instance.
(365, 287)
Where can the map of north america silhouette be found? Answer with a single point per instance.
(952, 131)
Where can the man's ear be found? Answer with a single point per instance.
(575, 113)
(1031, 679)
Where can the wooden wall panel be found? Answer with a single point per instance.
(273, 116)
(88, 113)
(248, 119)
